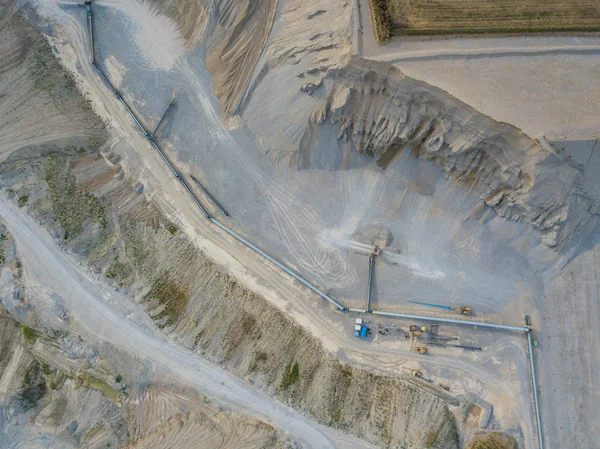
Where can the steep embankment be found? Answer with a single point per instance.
(382, 113)
(243, 28)
(235, 31)
(39, 101)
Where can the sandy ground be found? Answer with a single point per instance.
(511, 79)
(569, 357)
(283, 211)
(514, 88)
(569, 361)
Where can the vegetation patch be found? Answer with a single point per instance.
(46, 369)
(137, 248)
(96, 384)
(73, 209)
(117, 271)
(441, 17)
(55, 379)
(290, 375)
(30, 335)
(382, 22)
(46, 70)
(23, 200)
(171, 296)
(172, 229)
(33, 387)
(494, 440)
(342, 375)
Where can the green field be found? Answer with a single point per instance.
(440, 17)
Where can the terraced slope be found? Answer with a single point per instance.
(38, 99)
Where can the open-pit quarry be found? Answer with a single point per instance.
(245, 224)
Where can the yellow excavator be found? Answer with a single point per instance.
(419, 375)
(461, 310)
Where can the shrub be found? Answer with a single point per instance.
(23, 200)
(33, 387)
(381, 20)
(30, 335)
(290, 375)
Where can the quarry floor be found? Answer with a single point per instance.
(284, 212)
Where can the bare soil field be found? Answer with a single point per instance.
(419, 17)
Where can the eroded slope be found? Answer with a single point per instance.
(383, 113)
(191, 299)
(335, 112)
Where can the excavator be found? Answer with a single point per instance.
(422, 349)
(461, 310)
(419, 375)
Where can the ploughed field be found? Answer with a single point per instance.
(431, 17)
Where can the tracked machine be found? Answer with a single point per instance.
(462, 310)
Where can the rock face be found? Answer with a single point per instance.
(382, 112)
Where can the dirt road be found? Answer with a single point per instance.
(569, 364)
(106, 316)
